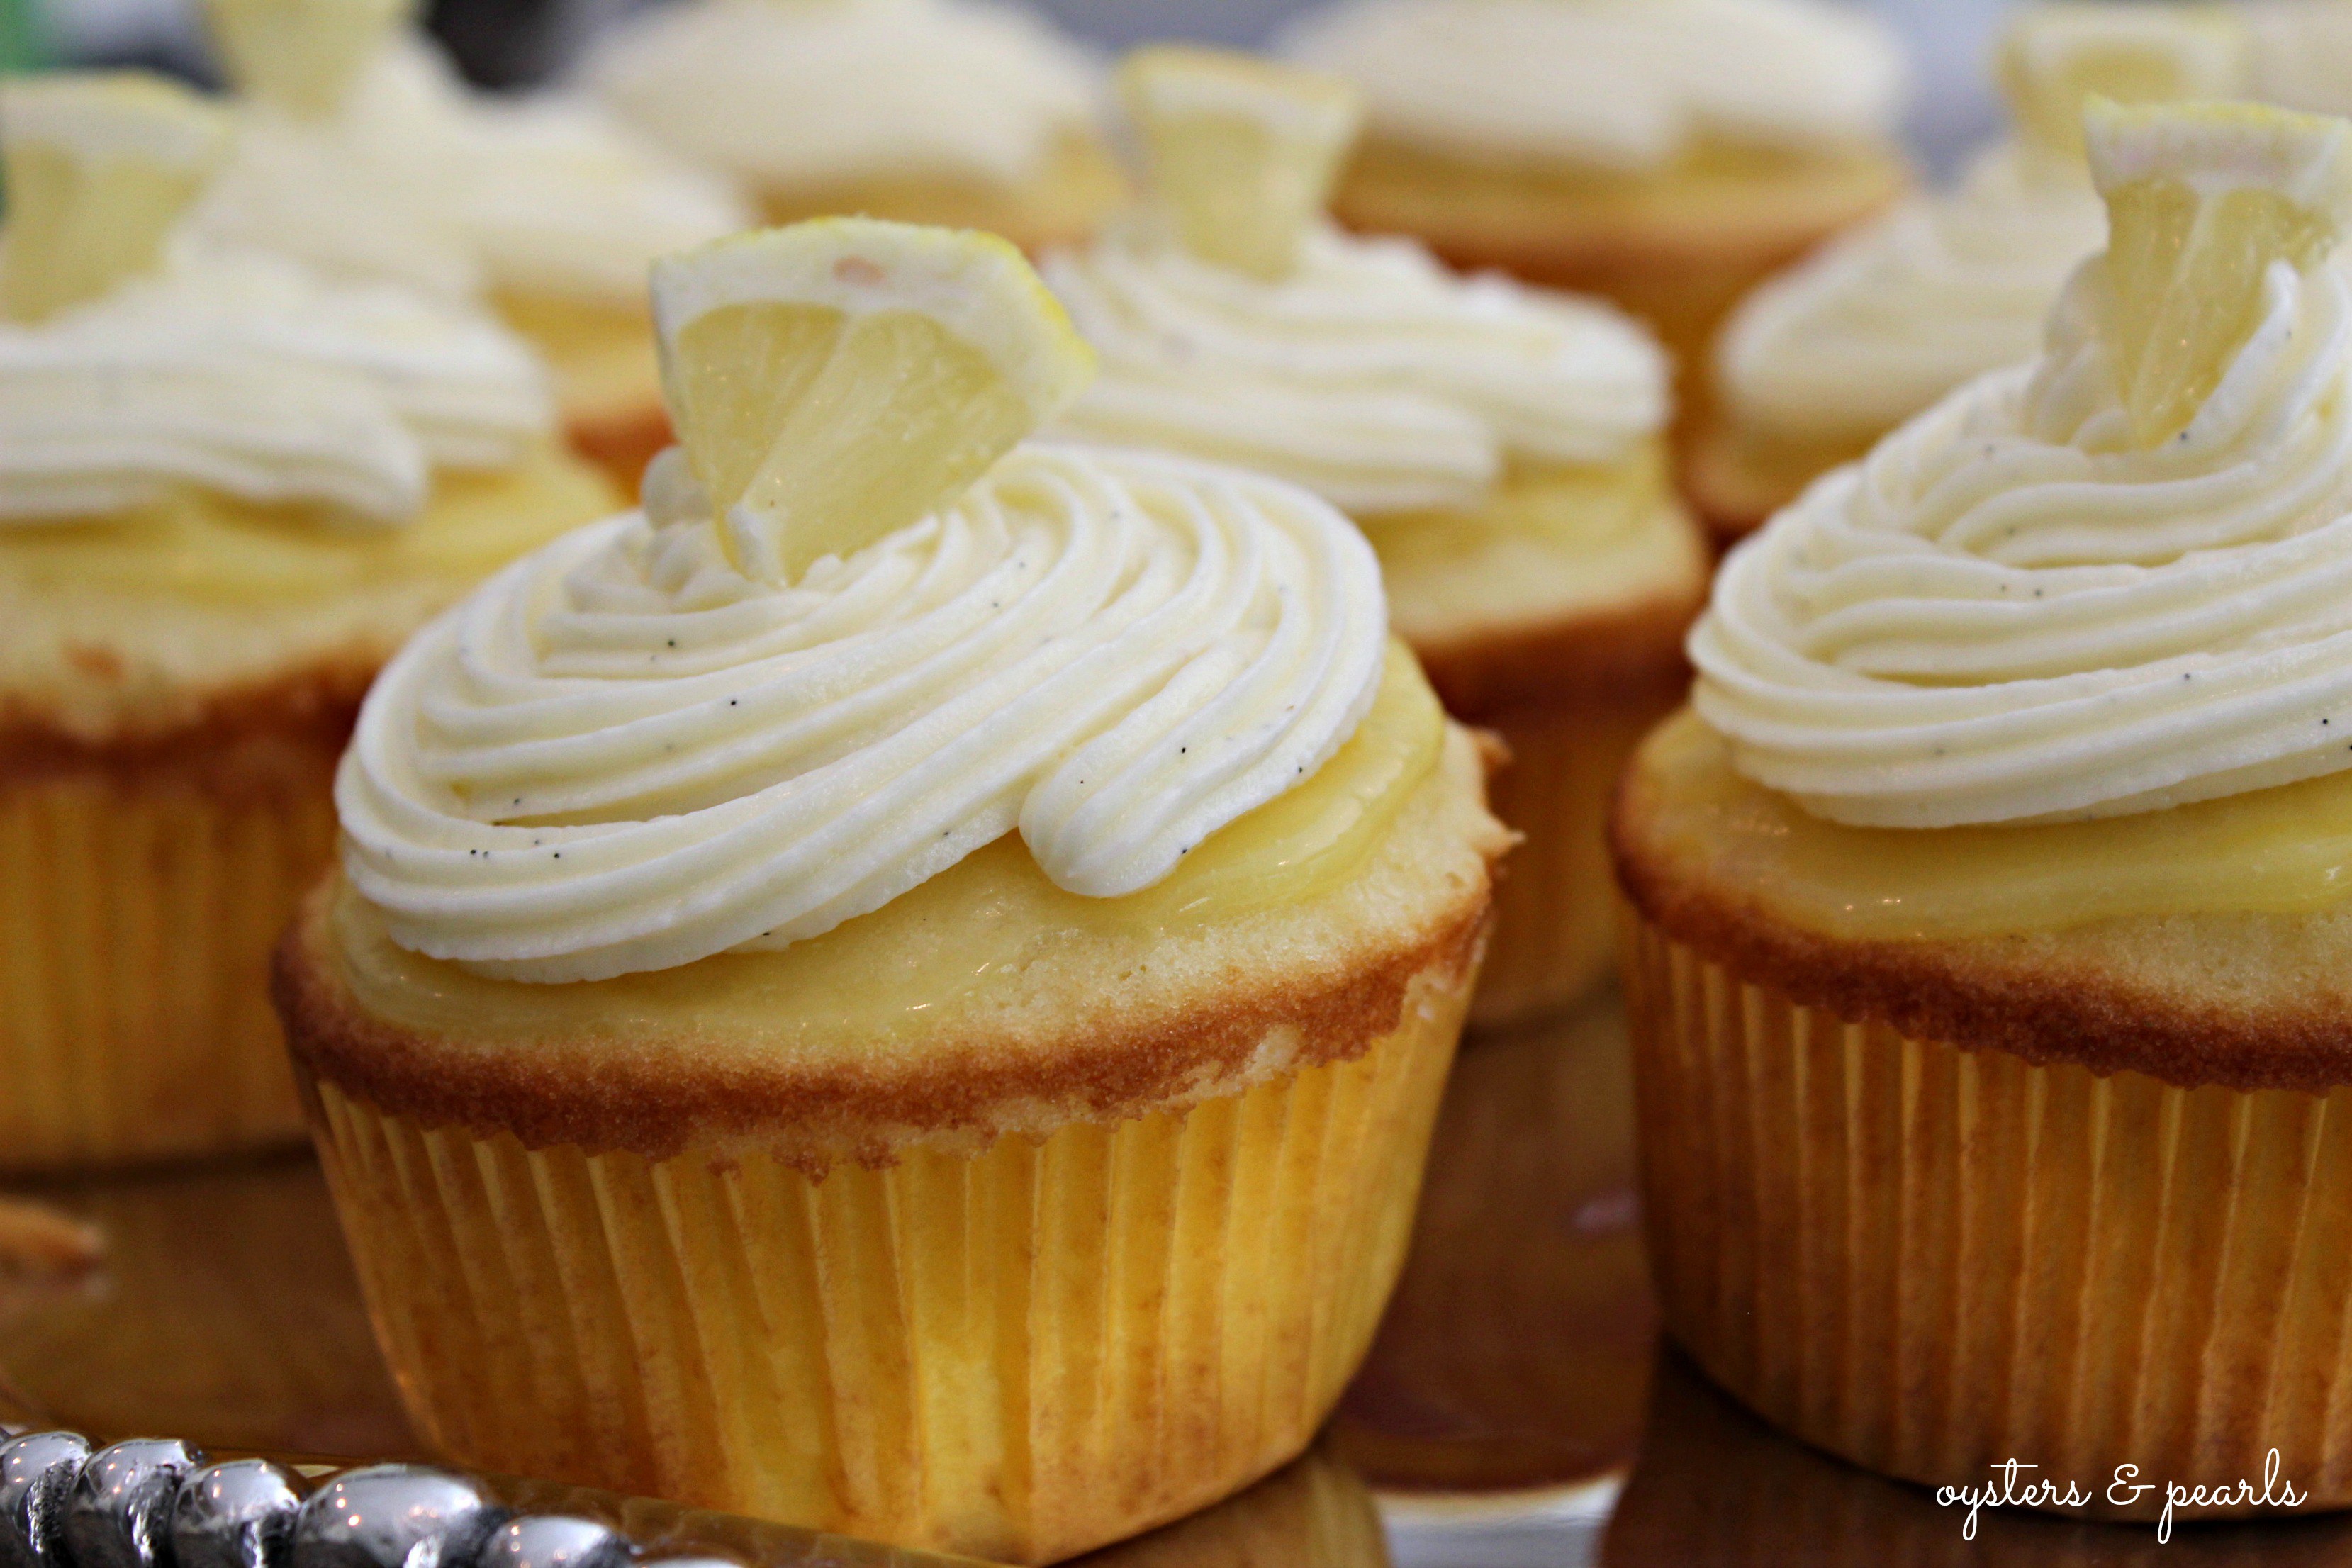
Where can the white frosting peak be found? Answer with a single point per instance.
(416, 178)
(1615, 83)
(622, 754)
(242, 373)
(1371, 374)
(2009, 613)
(1886, 320)
(819, 92)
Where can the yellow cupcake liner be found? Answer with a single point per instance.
(1019, 1354)
(1555, 939)
(137, 915)
(1932, 1260)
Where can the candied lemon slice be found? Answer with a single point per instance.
(835, 380)
(2056, 58)
(1240, 153)
(301, 55)
(99, 166)
(2202, 199)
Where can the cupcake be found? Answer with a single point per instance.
(1667, 154)
(1501, 447)
(725, 1103)
(227, 491)
(1990, 1022)
(1823, 360)
(940, 111)
(359, 152)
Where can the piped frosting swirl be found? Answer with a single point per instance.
(240, 372)
(2009, 613)
(1371, 375)
(1885, 320)
(1621, 84)
(624, 754)
(828, 91)
(416, 178)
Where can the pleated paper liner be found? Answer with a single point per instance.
(1018, 1354)
(1932, 1260)
(1555, 939)
(138, 910)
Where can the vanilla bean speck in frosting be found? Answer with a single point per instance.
(1886, 320)
(1371, 375)
(624, 754)
(2008, 613)
(240, 372)
(1619, 84)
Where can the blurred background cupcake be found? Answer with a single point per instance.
(1502, 446)
(1823, 360)
(963, 112)
(229, 489)
(1666, 153)
(1988, 985)
(359, 151)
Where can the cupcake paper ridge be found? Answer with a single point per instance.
(240, 372)
(1621, 84)
(1372, 375)
(2007, 614)
(622, 755)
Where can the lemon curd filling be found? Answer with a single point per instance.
(1550, 537)
(2285, 850)
(202, 545)
(889, 974)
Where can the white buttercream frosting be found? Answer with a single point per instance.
(1372, 375)
(2302, 53)
(240, 372)
(622, 754)
(419, 179)
(1886, 320)
(1624, 84)
(789, 93)
(2008, 614)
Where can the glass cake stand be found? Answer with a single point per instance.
(1517, 1411)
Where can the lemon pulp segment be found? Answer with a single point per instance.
(301, 55)
(833, 382)
(2055, 58)
(99, 167)
(1241, 153)
(2203, 200)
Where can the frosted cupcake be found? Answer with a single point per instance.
(1500, 445)
(949, 112)
(929, 959)
(1821, 361)
(360, 153)
(227, 491)
(1988, 991)
(1667, 154)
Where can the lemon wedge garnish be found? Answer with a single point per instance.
(2056, 58)
(301, 55)
(1240, 152)
(100, 165)
(2202, 199)
(835, 380)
